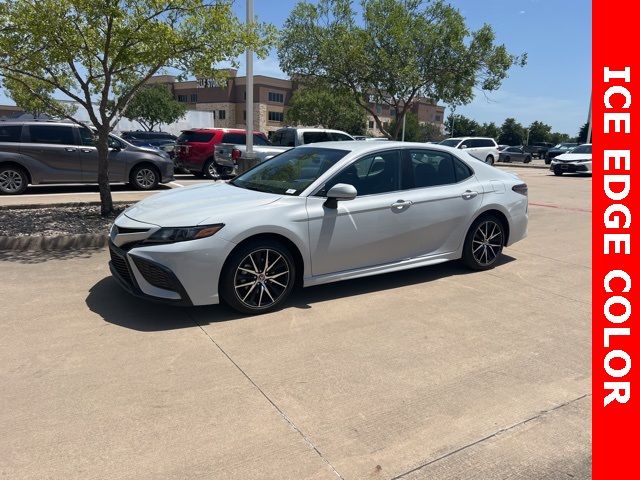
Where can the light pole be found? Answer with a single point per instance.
(249, 99)
(404, 123)
(589, 121)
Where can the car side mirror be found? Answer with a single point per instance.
(340, 191)
(462, 147)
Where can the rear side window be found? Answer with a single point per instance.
(237, 138)
(10, 133)
(313, 137)
(284, 138)
(259, 140)
(462, 171)
(487, 142)
(196, 137)
(431, 168)
(54, 134)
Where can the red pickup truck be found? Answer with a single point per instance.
(195, 150)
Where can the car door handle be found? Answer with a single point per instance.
(70, 149)
(400, 204)
(86, 150)
(468, 195)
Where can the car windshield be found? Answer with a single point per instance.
(582, 149)
(450, 142)
(291, 172)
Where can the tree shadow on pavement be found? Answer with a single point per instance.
(107, 299)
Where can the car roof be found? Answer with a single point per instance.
(358, 146)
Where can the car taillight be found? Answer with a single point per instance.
(521, 188)
(235, 154)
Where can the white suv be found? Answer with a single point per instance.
(483, 148)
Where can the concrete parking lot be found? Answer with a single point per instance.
(435, 373)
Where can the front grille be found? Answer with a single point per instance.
(130, 230)
(155, 275)
(120, 264)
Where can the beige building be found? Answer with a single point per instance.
(271, 97)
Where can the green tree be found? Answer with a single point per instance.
(460, 126)
(154, 105)
(99, 53)
(539, 132)
(37, 104)
(584, 131)
(330, 108)
(511, 133)
(400, 50)
(489, 130)
(557, 137)
(432, 133)
(414, 132)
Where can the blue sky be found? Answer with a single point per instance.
(555, 85)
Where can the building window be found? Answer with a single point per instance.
(378, 109)
(244, 115)
(385, 125)
(276, 117)
(222, 114)
(182, 98)
(392, 112)
(194, 97)
(370, 124)
(438, 118)
(276, 97)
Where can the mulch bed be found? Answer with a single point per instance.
(55, 221)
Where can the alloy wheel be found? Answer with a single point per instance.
(10, 181)
(212, 170)
(145, 178)
(487, 242)
(261, 278)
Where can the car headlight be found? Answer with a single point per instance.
(183, 234)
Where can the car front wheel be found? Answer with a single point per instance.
(13, 180)
(527, 159)
(483, 244)
(258, 277)
(490, 159)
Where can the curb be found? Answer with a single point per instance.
(92, 203)
(59, 242)
(521, 165)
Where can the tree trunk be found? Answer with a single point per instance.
(106, 202)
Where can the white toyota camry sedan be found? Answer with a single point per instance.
(317, 214)
(576, 160)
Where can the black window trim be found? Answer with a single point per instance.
(26, 133)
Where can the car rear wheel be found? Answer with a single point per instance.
(258, 277)
(527, 159)
(144, 177)
(490, 159)
(13, 180)
(507, 159)
(210, 170)
(483, 244)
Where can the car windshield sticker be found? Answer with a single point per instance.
(291, 191)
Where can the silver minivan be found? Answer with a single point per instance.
(44, 152)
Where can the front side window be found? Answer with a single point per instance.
(54, 134)
(451, 142)
(340, 137)
(259, 140)
(372, 174)
(291, 172)
(582, 149)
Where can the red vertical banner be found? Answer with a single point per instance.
(616, 240)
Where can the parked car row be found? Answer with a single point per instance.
(44, 152)
(576, 160)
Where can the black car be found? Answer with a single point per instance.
(559, 149)
(538, 149)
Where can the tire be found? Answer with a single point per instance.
(144, 177)
(507, 159)
(547, 161)
(478, 255)
(257, 293)
(210, 170)
(527, 159)
(13, 180)
(490, 159)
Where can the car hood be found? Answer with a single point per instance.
(189, 206)
(569, 157)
